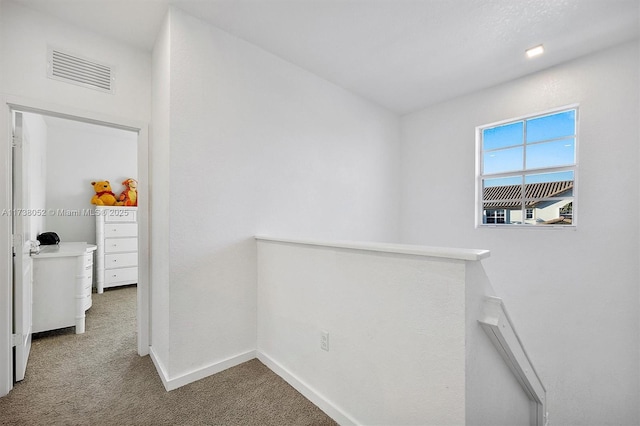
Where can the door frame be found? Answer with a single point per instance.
(8, 104)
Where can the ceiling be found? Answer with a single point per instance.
(401, 54)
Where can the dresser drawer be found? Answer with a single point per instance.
(116, 245)
(87, 279)
(121, 230)
(120, 260)
(117, 239)
(88, 259)
(87, 301)
(113, 276)
(120, 215)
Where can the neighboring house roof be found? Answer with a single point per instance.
(507, 197)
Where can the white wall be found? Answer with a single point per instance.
(78, 154)
(159, 175)
(24, 37)
(573, 294)
(258, 145)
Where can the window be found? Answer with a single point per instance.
(527, 170)
(567, 210)
(495, 216)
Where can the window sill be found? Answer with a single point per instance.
(505, 226)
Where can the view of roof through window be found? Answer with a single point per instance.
(528, 170)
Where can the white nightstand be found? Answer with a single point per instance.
(62, 278)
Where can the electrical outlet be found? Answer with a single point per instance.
(324, 341)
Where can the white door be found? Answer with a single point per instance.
(22, 237)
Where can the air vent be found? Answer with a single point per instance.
(85, 72)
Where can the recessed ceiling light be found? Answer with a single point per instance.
(534, 51)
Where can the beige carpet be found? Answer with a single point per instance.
(97, 378)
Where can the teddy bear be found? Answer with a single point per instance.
(104, 196)
(129, 197)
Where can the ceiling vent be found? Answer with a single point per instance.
(85, 72)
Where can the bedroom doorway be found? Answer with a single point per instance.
(78, 226)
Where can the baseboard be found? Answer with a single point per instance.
(162, 372)
(311, 394)
(195, 375)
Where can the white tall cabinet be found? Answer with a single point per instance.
(117, 241)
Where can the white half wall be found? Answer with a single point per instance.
(404, 343)
(385, 314)
(256, 144)
(575, 292)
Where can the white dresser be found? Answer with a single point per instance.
(117, 240)
(62, 278)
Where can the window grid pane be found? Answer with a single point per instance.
(504, 160)
(518, 153)
(503, 136)
(551, 154)
(553, 126)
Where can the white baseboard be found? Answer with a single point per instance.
(311, 394)
(195, 375)
(162, 372)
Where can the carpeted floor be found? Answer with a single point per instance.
(97, 378)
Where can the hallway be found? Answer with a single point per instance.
(97, 378)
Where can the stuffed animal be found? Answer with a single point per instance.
(104, 196)
(129, 197)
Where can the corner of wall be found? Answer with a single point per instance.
(312, 394)
(172, 383)
(159, 199)
(160, 368)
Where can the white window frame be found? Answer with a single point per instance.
(479, 210)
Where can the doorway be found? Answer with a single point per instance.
(78, 119)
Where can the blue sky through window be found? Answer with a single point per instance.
(537, 178)
(551, 154)
(535, 143)
(506, 181)
(551, 126)
(549, 177)
(504, 160)
(503, 136)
